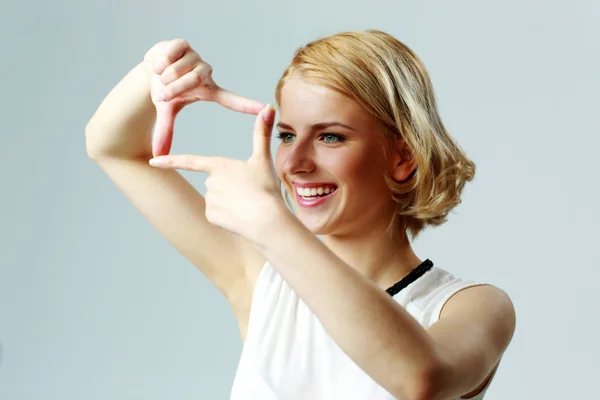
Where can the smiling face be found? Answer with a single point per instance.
(346, 158)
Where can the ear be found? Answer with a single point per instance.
(403, 161)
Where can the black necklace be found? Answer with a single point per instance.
(410, 278)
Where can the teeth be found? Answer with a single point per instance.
(311, 192)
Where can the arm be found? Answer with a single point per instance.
(121, 127)
(119, 140)
(475, 328)
(369, 326)
(376, 332)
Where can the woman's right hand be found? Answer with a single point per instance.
(180, 77)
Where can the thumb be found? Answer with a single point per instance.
(263, 126)
(163, 129)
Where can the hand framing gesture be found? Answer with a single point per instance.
(241, 196)
(180, 77)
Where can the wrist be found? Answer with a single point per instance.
(273, 224)
(146, 70)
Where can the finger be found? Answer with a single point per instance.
(166, 53)
(163, 128)
(151, 56)
(179, 68)
(186, 162)
(235, 102)
(198, 79)
(263, 127)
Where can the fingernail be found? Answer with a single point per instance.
(156, 162)
(269, 113)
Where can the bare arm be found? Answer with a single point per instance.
(119, 140)
(449, 359)
(121, 127)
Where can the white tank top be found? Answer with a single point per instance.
(289, 355)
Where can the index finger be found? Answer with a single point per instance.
(236, 102)
(186, 162)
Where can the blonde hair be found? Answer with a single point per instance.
(389, 81)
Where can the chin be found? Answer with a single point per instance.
(316, 227)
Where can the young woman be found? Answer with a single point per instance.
(368, 164)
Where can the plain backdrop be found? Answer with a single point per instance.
(95, 304)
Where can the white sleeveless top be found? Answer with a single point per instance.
(289, 355)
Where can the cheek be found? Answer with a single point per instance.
(280, 156)
(352, 167)
(364, 174)
(278, 162)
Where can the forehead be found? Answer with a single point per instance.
(305, 103)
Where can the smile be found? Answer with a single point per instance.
(314, 196)
(319, 191)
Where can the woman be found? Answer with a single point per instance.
(368, 162)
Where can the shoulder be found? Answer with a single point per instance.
(443, 294)
(479, 298)
(483, 308)
(474, 330)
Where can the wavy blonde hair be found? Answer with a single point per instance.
(389, 81)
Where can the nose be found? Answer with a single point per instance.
(297, 159)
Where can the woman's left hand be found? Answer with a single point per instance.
(242, 197)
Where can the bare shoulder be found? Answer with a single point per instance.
(475, 327)
(481, 297)
(486, 306)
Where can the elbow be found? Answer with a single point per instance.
(426, 386)
(91, 153)
(423, 390)
(90, 148)
(94, 148)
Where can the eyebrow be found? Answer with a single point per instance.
(316, 127)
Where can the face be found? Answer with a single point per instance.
(339, 169)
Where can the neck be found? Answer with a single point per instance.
(382, 260)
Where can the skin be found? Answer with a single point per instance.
(455, 356)
(228, 240)
(353, 222)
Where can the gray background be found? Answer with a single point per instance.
(94, 304)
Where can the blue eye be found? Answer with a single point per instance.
(285, 137)
(337, 138)
(329, 138)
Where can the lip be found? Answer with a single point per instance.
(302, 202)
